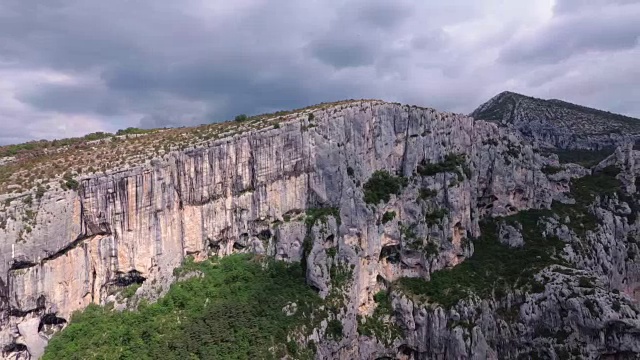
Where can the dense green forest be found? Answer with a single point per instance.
(233, 311)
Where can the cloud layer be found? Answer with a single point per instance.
(69, 67)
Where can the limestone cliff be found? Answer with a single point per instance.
(64, 249)
(556, 123)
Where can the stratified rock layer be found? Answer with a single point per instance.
(248, 192)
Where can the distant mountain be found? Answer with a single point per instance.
(557, 123)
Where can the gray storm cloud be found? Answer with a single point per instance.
(72, 67)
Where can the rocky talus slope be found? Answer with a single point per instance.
(556, 123)
(533, 257)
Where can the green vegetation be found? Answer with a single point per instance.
(233, 312)
(585, 282)
(334, 329)
(315, 214)
(576, 116)
(241, 118)
(379, 324)
(436, 216)
(537, 287)
(602, 183)
(451, 163)
(41, 145)
(427, 194)
(513, 151)
(43, 161)
(130, 290)
(431, 248)
(132, 131)
(494, 267)
(381, 185)
(70, 182)
(497, 111)
(584, 190)
(13, 150)
(388, 216)
(341, 275)
(304, 128)
(312, 216)
(97, 136)
(609, 116)
(40, 191)
(407, 231)
(550, 170)
(586, 158)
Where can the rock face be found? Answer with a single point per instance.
(581, 311)
(250, 192)
(556, 123)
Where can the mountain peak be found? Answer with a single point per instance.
(557, 122)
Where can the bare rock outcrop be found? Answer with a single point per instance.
(250, 192)
(559, 124)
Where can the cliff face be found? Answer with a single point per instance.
(586, 306)
(556, 123)
(67, 249)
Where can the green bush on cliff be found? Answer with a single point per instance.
(334, 329)
(70, 182)
(381, 185)
(493, 267)
(586, 158)
(450, 163)
(584, 190)
(241, 118)
(388, 216)
(379, 324)
(131, 131)
(233, 312)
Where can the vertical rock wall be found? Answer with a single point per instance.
(236, 194)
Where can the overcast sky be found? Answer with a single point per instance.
(70, 67)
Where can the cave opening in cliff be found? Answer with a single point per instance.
(242, 242)
(49, 321)
(486, 202)
(406, 350)
(13, 348)
(265, 235)
(214, 248)
(131, 277)
(391, 253)
(328, 242)
(21, 264)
